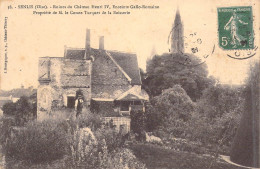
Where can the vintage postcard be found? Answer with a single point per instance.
(129, 84)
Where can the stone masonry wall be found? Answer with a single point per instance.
(48, 92)
(66, 77)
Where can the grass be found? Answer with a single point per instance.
(157, 157)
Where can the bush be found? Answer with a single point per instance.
(153, 118)
(69, 143)
(113, 139)
(212, 120)
(23, 110)
(89, 119)
(38, 142)
(6, 124)
(9, 108)
(138, 120)
(83, 149)
(104, 150)
(174, 107)
(218, 115)
(199, 129)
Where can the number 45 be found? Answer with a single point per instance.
(224, 41)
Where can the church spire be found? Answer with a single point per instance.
(177, 44)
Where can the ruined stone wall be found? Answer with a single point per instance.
(65, 78)
(76, 74)
(49, 93)
(107, 79)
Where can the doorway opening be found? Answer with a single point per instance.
(70, 102)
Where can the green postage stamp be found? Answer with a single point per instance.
(235, 27)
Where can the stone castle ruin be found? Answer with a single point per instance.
(109, 81)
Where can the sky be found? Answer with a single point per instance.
(32, 36)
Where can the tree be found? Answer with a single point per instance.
(23, 110)
(153, 118)
(9, 108)
(137, 124)
(221, 99)
(246, 149)
(221, 107)
(175, 108)
(184, 69)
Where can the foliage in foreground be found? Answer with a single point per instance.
(37, 142)
(72, 143)
(87, 151)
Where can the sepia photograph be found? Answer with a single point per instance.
(137, 84)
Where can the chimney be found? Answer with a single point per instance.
(101, 43)
(87, 47)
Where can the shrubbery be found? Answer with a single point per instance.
(212, 120)
(113, 139)
(9, 108)
(219, 112)
(83, 149)
(189, 104)
(6, 124)
(138, 124)
(23, 110)
(104, 150)
(37, 142)
(84, 142)
(89, 119)
(175, 108)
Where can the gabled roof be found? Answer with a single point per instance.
(135, 93)
(74, 53)
(129, 97)
(120, 68)
(126, 61)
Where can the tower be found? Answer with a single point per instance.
(177, 44)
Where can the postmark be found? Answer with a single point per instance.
(196, 47)
(235, 28)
